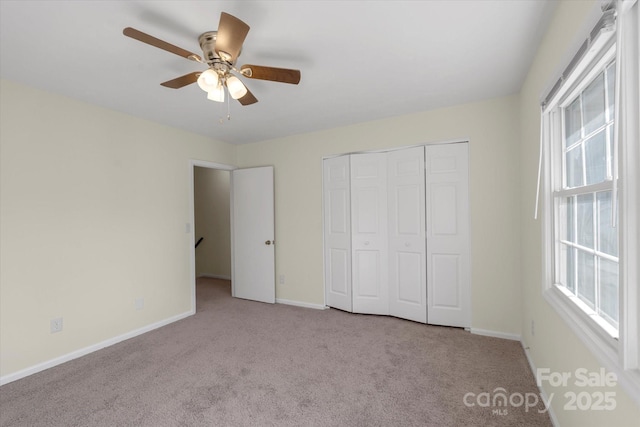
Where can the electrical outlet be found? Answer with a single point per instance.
(56, 325)
(139, 303)
(533, 328)
(281, 279)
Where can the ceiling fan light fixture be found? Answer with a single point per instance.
(236, 88)
(208, 80)
(216, 94)
(220, 49)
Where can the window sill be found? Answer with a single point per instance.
(601, 344)
(587, 315)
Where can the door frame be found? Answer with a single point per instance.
(191, 225)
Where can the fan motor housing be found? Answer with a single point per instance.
(208, 45)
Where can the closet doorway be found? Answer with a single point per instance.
(396, 233)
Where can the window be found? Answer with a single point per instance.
(586, 243)
(590, 168)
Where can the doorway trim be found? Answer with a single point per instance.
(191, 225)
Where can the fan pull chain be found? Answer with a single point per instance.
(221, 119)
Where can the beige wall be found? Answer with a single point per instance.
(492, 128)
(212, 221)
(554, 346)
(93, 211)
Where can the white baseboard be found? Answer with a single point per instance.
(215, 276)
(496, 334)
(544, 395)
(301, 304)
(90, 349)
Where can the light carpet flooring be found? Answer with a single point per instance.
(244, 363)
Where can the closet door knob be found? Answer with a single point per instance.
(268, 242)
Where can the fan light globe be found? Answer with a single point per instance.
(208, 80)
(216, 94)
(236, 88)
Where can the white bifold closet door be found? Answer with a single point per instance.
(374, 216)
(337, 232)
(406, 228)
(396, 233)
(447, 177)
(369, 243)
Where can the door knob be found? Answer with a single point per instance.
(268, 242)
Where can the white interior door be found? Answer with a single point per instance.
(369, 243)
(407, 264)
(252, 218)
(448, 288)
(337, 232)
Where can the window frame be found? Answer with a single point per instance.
(620, 355)
(558, 182)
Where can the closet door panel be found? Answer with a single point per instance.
(367, 270)
(339, 272)
(406, 225)
(409, 284)
(369, 241)
(447, 177)
(337, 232)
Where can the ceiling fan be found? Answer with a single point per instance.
(221, 49)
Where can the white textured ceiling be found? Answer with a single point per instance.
(360, 60)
